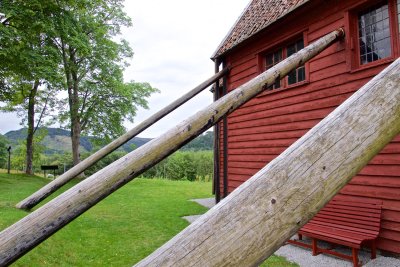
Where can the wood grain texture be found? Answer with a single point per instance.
(51, 187)
(25, 234)
(261, 214)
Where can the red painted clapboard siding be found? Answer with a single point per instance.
(253, 151)
(372, 191)
(296, 117)
(302, 96)
(371, 180)
(262, 143)
(389, 245)
(304, 125)
(394, 226)
(267, 136)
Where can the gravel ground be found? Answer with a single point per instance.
(303, 256)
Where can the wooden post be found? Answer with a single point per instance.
(259, 216)
(25, 234)
(49, 188)
(9, 160)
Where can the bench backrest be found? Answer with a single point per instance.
(364, 218)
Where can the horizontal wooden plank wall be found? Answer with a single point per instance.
(264, 127)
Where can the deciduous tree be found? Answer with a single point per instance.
(93, 62)
(28, 73)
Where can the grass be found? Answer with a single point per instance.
(119, 231)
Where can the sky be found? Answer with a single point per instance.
(172, 43)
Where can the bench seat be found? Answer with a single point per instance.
(348, 223)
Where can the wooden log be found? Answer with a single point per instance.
(49, 188)
(259, 216)
(25, 234)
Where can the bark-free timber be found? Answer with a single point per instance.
(48, 189)
(259, 216)
(25, 234)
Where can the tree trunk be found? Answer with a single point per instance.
(75, 138)
(31, 128)
(37, 226)
(73, 94)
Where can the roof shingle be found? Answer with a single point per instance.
(258, 15)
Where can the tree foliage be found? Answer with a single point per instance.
(202, 142)
(184, 165)
(93, 62)
(73, 46)
(29, 60)
(19, 152)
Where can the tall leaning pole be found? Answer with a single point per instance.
(257, 218)
(31, 230)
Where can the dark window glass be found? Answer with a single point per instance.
(271, 60)
(274, 58)
(398, 12)
(374, 32)
(298, 74)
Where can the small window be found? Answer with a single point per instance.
(298, 74)
(271, 59)
(374, 34)
(398, 12)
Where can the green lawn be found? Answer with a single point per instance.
(119, 231)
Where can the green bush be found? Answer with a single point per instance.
(184, 165)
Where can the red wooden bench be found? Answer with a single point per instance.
(348, 223)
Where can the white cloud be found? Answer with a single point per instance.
(173, 42)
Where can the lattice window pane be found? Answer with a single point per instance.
(271, 60)
(374, 32)
(298, 74)
(398, 12)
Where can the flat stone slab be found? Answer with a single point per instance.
(206, 202)
(191, 218)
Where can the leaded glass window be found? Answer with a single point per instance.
(398, 12)
(298, 74)
(374, 34)
(271, 60)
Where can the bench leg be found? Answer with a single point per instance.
(314, 247)
(373, 249)
(354, 252)
(300, 236)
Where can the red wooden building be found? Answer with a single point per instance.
(269, 31)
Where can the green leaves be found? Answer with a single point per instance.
(69, 46)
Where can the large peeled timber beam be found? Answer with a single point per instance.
(259, 216)
(25, 234)
(49, 188)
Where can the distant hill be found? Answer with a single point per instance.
(202, 142)
(59, 141)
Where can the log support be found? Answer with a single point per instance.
(259, 216)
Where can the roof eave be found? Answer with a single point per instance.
(218, 55)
